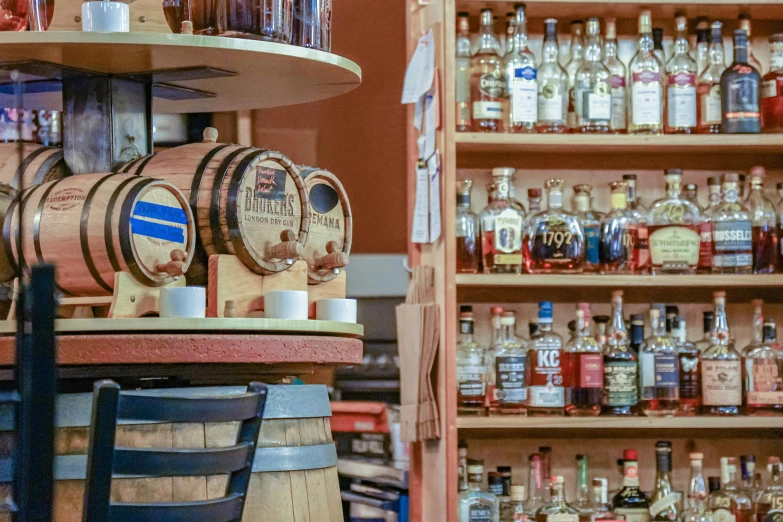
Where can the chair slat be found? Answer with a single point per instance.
(182, 462)
(188, 409)
(226, 509)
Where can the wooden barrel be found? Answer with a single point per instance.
(331, 225)
(248, 202)
(294, 472)
(94, 225)
(7, 196)
(38, 165)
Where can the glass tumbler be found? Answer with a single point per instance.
(13, 14)
(276, 20)
(313, 24)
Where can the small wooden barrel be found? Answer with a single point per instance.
(248, 202)
(331, 225)
(38, 165)
(7, 196)
(94, 225)
(294, 472)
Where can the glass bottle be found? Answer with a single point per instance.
(729, 504)
(631, 502)
(552, 85)
(706, 341)
(462, 465)
(535, 485)
(507, 39)
(546, 470)
(513, 509)
(557, 509)
(476, 505)
(744, 24)
(592, 88)
(546, 395)
(582, 502)
(691, 192)
(591, 224)
(702, 44)
(770, 505)
(763, 216)
(505, 474)
(601, 324)
(681, 74)
(617, 74)
(637, 210)
(496, 315)
(600, 509)
(620, 393)
(764, 375)
(583, 370)
(462, 72)
(747, 474)
(619, 234)
(657, 36)
(772, 88)
(674, 226)
(467, 231)
(533, 200)
(471, 372)
(645, 100)
(663, 501)
(732, 234)
(705, 228)
(659, 370)
(554, 240)
(511, 381)
(637, 332)
(721, 368)
(696, 510)
(502, 225)
(739, 87)
(495, 484)
(487, 80)
(690, 378)
(572, 68)
(522, 78)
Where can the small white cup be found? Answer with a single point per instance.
(285, 304)
(105, 17)
(341, 310)
(183, 301)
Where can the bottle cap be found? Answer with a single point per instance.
(496, 310)
(598, 319)
(696, 456)
(545, 449)
(672, 172)
(554, 184)
(580, 457)
(719, 294)
(545, 312)
(462, 444)
(773, 460)
(611, 28)
(518, 493)
(504, 469)
(628, 177)
(577, 22)
(558, 479)
(617, 293)
(637, 318)
(776, 38)
(713, 180)
(476, 469)
(465, 308)
(463, 14)
(672, 310)
(534, 193)
(663, 444)
(730, 178)
(630, 454)
(583, 188)
(466, 316)
(758, 171)
(503, 172)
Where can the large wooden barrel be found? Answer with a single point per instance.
(331, 225)
(248, 202)
(7, 196)
(37, 164)
(94, 225)
(294, 473)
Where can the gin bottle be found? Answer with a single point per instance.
(522, 78)
(557, 509)
(582, 502)
(583, 370)
(645, 110)
(552, 85)
(709, 84)
(467, 231)
(462, 72)
(471, 372)
(511, 381)
(476, 505)
(681, 73)
(721, 371)
(764, 221)
(617, 71)
(592, 88)
(591, 224)
(487, 80)
(659, 368)
(572, 68)
(620, 393)
(732, 236)
(546, 394)
(501, 228)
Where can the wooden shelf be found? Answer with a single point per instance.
(500, 288)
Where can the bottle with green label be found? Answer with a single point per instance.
(621, 392)
(476, 505)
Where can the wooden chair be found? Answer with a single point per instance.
(104, 459)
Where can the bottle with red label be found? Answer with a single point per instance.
(681, 84)
(583, 372)
(546, 393)
(764, 374)
(721, 368)
(772, 88)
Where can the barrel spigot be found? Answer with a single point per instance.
(176, 267)
(288, 249)
(335, 259)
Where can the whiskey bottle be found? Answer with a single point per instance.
(502, 225)
(511, 372)
(659, 370)
(705, 228)
(739, 87)
(476, 505)
(770, 505)
(674, 230)
(487, 80)
(772, 88)
(645, 101)
(572, 68)
(706, 341)
(533, 200)
(637, 332)
(513, 509)
(495, 484)
(462, 465)
(557, 509)
(535, 485)
(620, 393)
(631, 502)
(583, 372)
(637, 210)
(591, 224)
(657, 36)
(663, 501)
(619, 234)
(471, 372)
(721, 368)
(696, 510)
(592, 88)
(729, 504)
(467, 231)
(764, 375)
(617, 73)
(732, 232)
(496, 314)
(522, 78)
(690, 378)
(552, 85)
(681, 73)
(744, 24)
(764, 220)
(546, 394)
(462, 72)
(554, 240)
(702, 44)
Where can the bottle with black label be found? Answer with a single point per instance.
(732, 232)
(510, 393)
(631, 503)
(476, 505)
(739, 87)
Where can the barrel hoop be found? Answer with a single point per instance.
(37, 229)
(46, 166)
(124, 231)
(84, 239)
(108, 233)
(7, 245)
(196, 183)
(144, 160)
(26, 163)
(214, 207)
(22, 262)
(123, 168)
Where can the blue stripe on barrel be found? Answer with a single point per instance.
(160, 212)
(157, 230)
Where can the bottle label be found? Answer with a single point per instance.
(690, 383)
(723, 515)
(553, 241)
(764, 385)
(646, 98)
(659, 370)
(510, 382)
(641, 251)
(618, 103)
(633, 514)
(591, 370)
(667, 502)
(487, 110)
(721, 383)
(562, 517)
(470, 379)
(546, 390)
(620, 388)
(742, 98)
(508, 231)
(769, 88)
(675, 247)
(705, 248)
(732, 244)
(592, 242)
(496, 488)
(480, 513)
(550, 103)
(463, 92)
(597, 103)
(710, 106)
(524, 95)
(682, 100)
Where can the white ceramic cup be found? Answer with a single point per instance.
(183, 301)
(341, 310)
(105, 17)
(285, 304)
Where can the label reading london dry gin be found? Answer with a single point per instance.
(646, 98)
(721, 383)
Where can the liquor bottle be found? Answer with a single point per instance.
(702, 44)
(495, 484)
(476, 505)
(637, 210)
(510, 391)
(747, 475)
(739, 87)
(505, 474)
(534, 200)
(637, 332)
(741, 187)
(601, 324)
(496, 314)
(674, 229)
(706, 341)
(546, 470)
(764, 375)
(770, 505)
(535, 485)
(713, 485)
(546, 395)
(467, 231)
(590, 222)
(619, 234)
(758, 323)
(763, 216)
(681, 74)
(582, 502)
(600, 509)
(690, 378)
(462, 465)
(522, 78)
(659, 369)
(583, 372)
(631, 502)
(772, 88)
(502, 225)
(690, 191)
(617, 73)
(721, 368)
(668, 314)
(744, 24)
(462, 72)
(779, 190)
(572, 68)
(554, 240)
(663, 501)
(729, 504)
(487, 80)
(645, 101)
(620, 394)
(557, 509)
(657, 36)
(552, 85)
(696, 510)
(507, 39)
(705, 228)
(592, 87)
(471, 372)
(732, 233)
(513, 509)
(709, 84)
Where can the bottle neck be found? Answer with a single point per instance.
(534, 204)
(509, 334)
(618, 332)
(775, 474)
(554, 198)
(487, 34)
(697, 490)
(619, 200)
(716, 50)
(577, 45)
(520, 32)
(593, 48)
(658, 327)
(730, 193)
(630, 474)
(558, 495)
(740, 54)
(681, 44)
(645, 42)
(673, 186)
(535, 484)
(582, 489)
(544, 325)
(466, 331)
(720, 327)
(551, 50)
(475, 481)
(758, 325)
(663, 466)
(582, 202)
(714, 196)
(497, 330)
